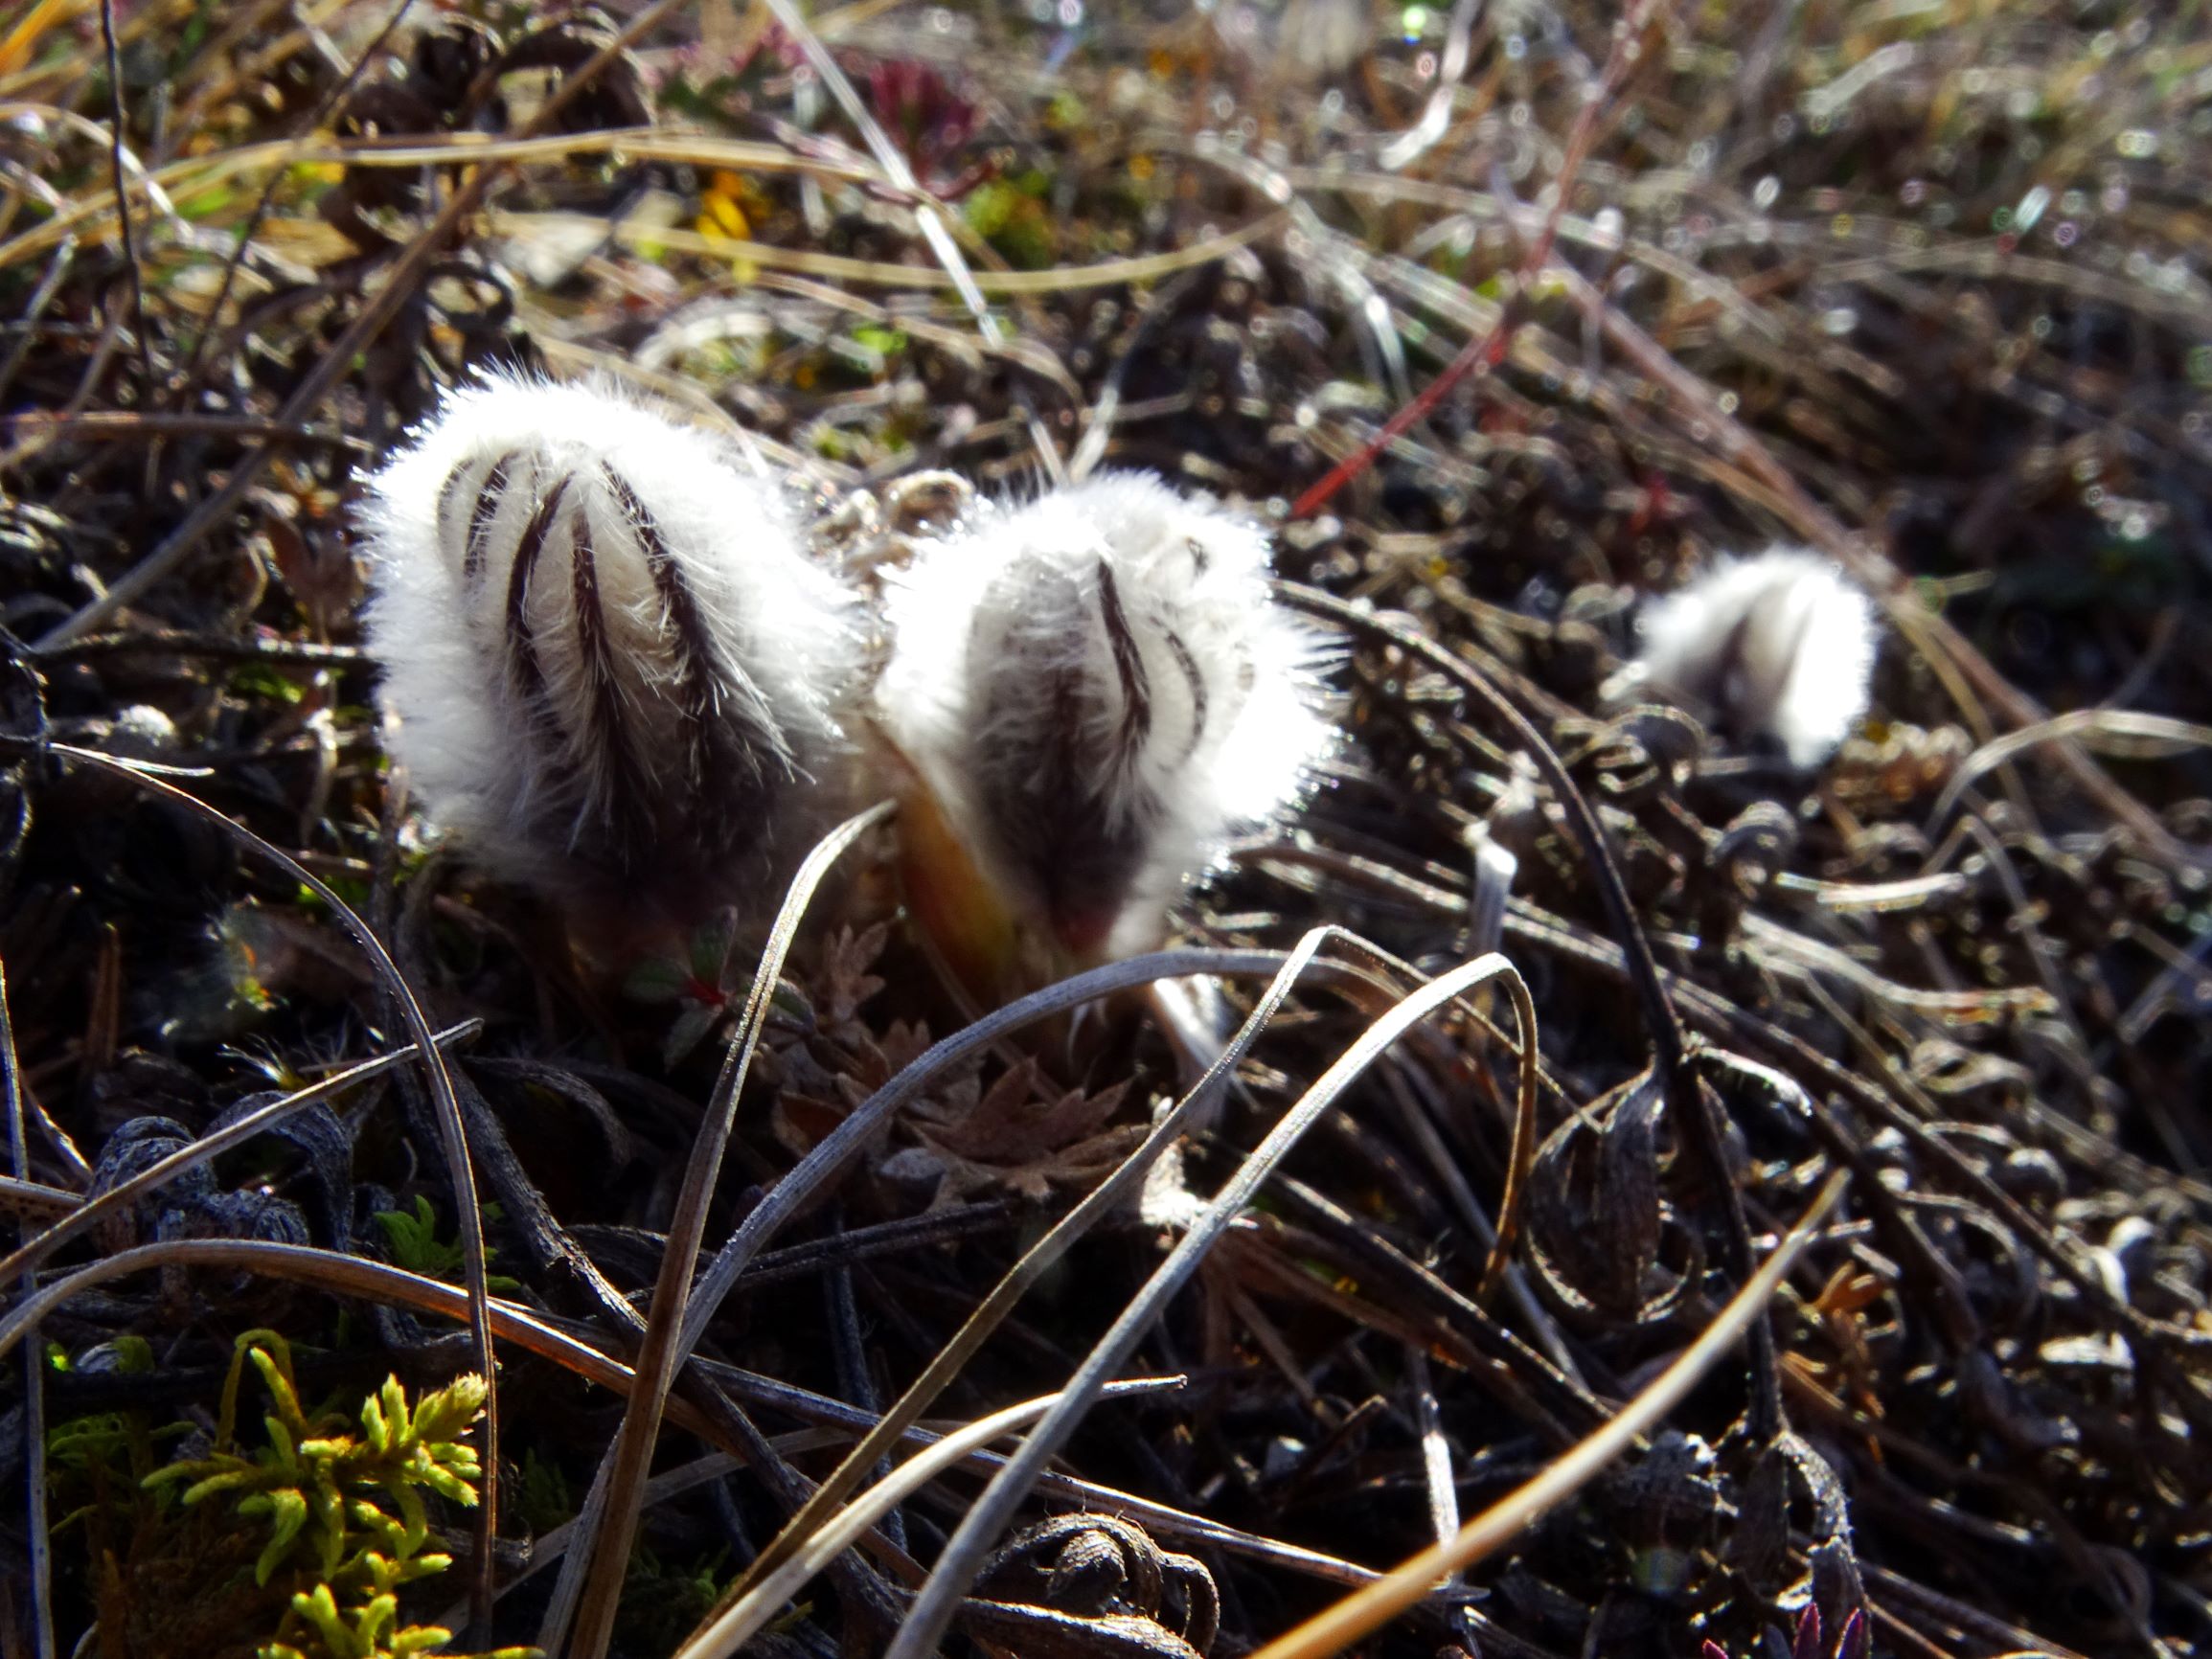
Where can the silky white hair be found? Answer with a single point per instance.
(1781, 644)
(1099, 689)
(609, 661)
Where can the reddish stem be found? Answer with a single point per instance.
(1489, 350)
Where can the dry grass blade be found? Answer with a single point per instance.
(368, 323)
(1105, 273)
(85, 1216)
(2142, 730)
(1489, 350)
(341, 1275)
(965, 1551)
(72, 219)
(41, 1543)
(1359, 1613)
(948, 1361)
(1410, 146)
(607, 1546)
(142, 339)
(36, 1199)
(927, 212)
(454, 1138)
(728, 1633)
(798, 1188)
(1435, 1445)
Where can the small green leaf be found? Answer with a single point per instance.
(374, 1621)
(277, 1374)
(660, 979)
(320, 1608)
(281, 1440)
(288, 1508)
(393, 1399)
(446, 1486)
(380, 1428)
(221, 1483)
(710, 946)
(443, 1415)
(690, 1029)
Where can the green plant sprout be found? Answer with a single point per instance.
(346, 1513)
(416, 1248)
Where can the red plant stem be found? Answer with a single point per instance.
(1487, 352)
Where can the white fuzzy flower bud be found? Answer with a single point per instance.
(1781, 644)
(1098, 690)
(609, 659)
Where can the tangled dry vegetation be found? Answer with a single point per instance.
(1918, 283)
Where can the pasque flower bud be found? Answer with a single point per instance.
(1781, 644)
(612, 667)
(1093, 692)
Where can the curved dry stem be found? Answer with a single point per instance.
(1521, 1159)
(988, 1315)
(340, 1275)
(1659, 1017)
(728, 1633)
(445, 1106)
(1361, 1612)
(41, 1542)
(379, 310)
(90, 1215)
(2123, 723)
(663, 1351)
(964, 1553)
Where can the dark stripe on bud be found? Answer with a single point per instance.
(696, 692)
(521, 645)
(482, 516)
(1196, 681)
(625, 802)
(1129, 666)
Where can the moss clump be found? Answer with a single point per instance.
(297, 1548)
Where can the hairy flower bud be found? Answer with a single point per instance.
(1781, 644)
(1095, 689)
(610, 662)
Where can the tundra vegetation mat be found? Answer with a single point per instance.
(1920, 285)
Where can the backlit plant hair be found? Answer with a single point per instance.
(1096, 691)
(609, 662)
